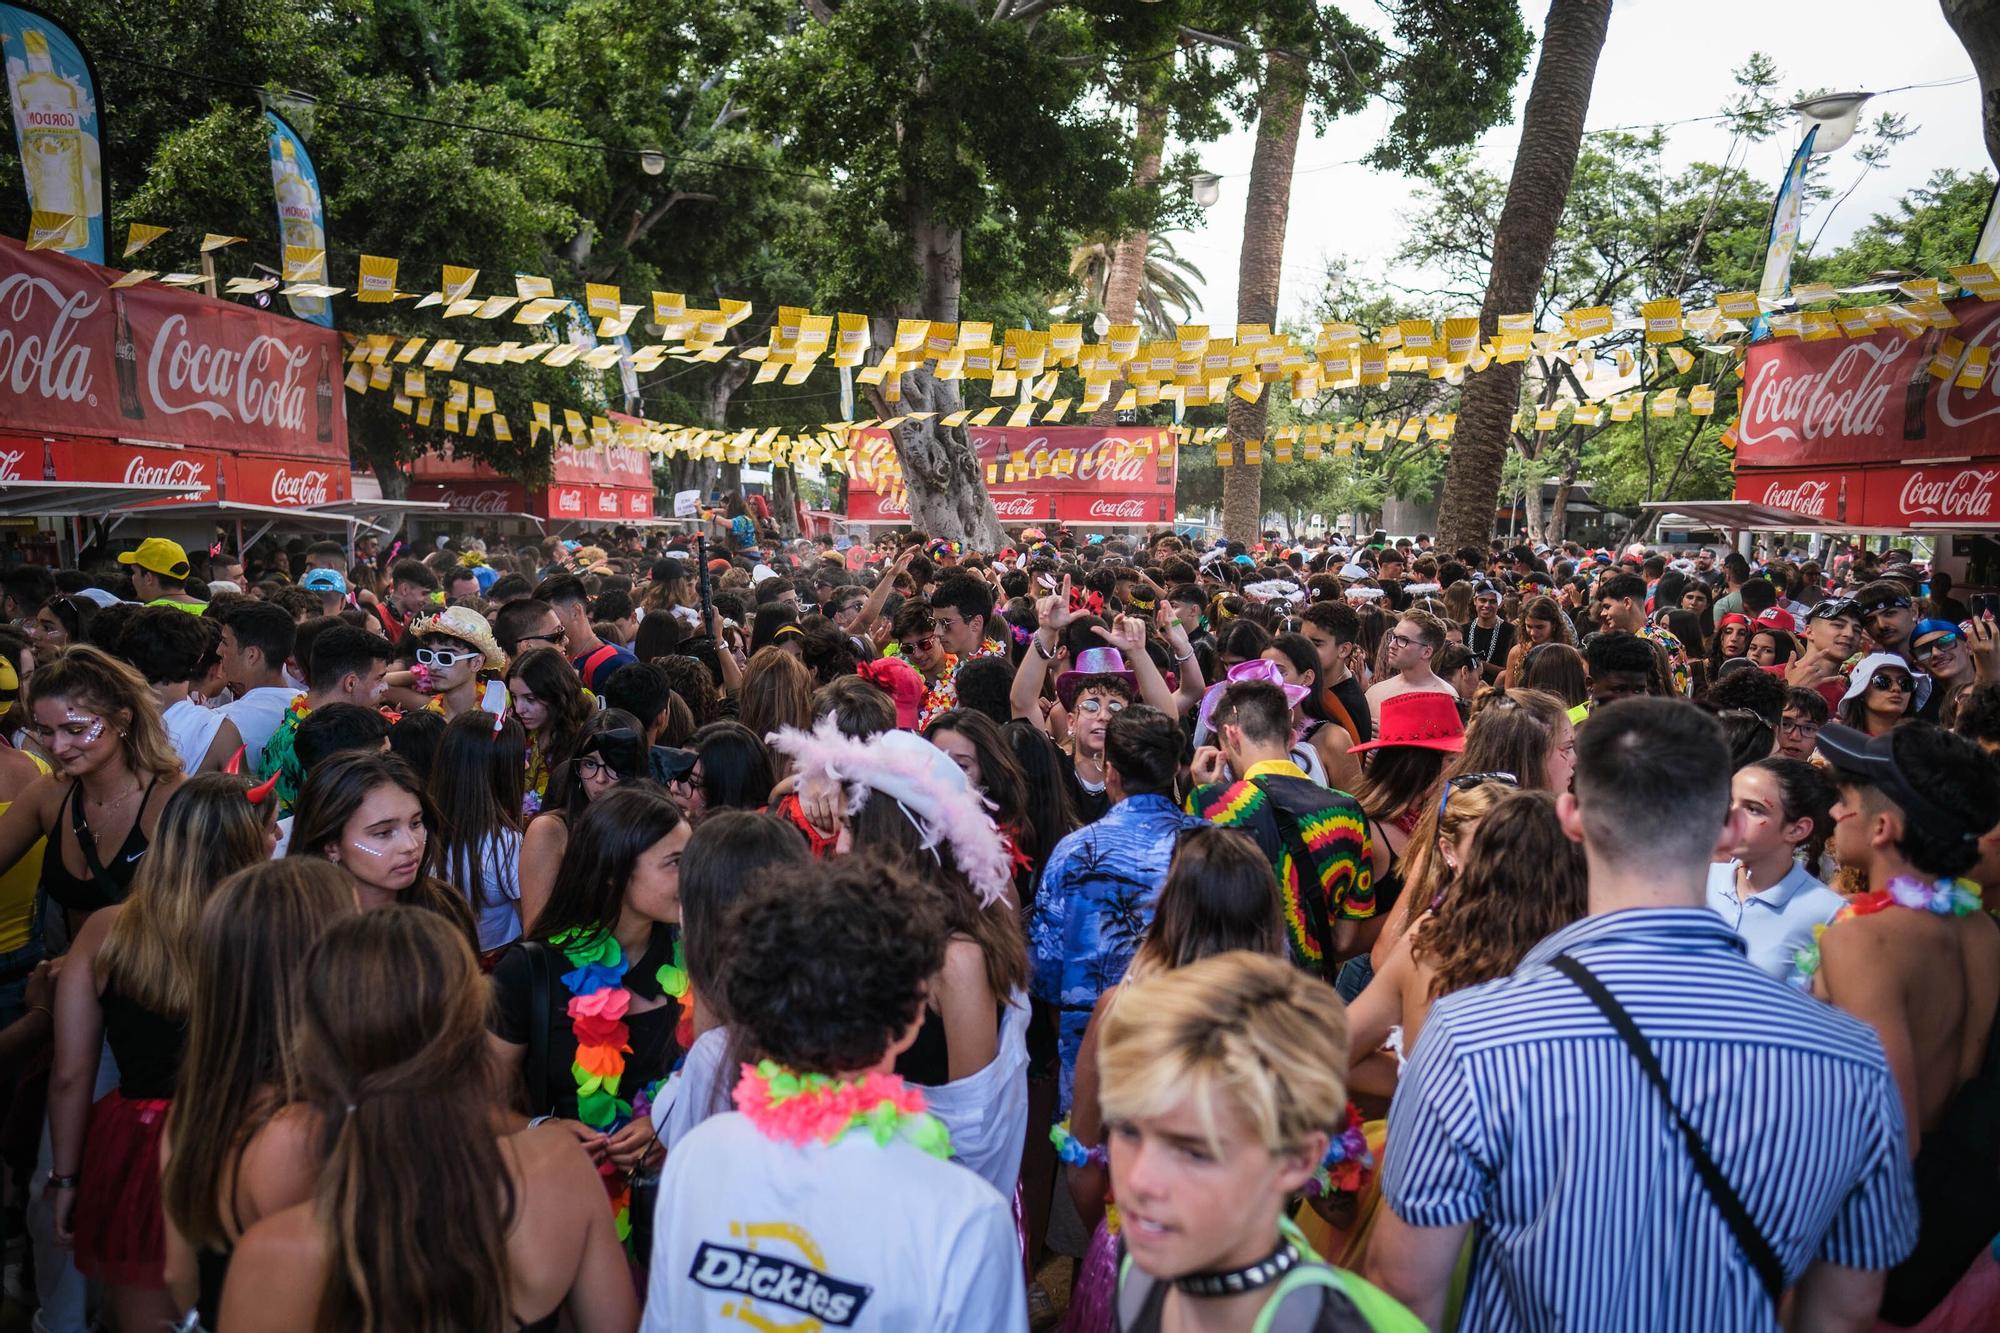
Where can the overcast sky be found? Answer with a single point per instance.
(1664, 60)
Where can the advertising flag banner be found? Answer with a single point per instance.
(301, 212)
(1785, 227)
(54, 101)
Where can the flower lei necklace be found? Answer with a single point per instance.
(597, 1008)
(1944, 897)
(814, 1108)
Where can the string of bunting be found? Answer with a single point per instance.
(1197, 367)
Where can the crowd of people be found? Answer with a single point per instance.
(1125, 933)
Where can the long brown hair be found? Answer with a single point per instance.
(93, 678)
(392, 1052)
(881, 823)
(207, 831)
(1426, 872)
(1523, 880)
(239, 1067)
(777, 692)
(1397, 777)
(1220, 894)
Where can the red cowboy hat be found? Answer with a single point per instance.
(1423, 719)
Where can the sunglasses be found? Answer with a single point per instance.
(556, 636)
(1923, 652)
(1889, 680)
(444, 659)
(1111, 706)
(922, 645)
(1467, 781)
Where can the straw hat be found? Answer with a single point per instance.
(465, 625)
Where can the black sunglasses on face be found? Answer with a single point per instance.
(1888, 680)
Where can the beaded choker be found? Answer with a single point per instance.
(1236, 1281)
(813, 1108)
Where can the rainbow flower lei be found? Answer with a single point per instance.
(597, 1008)
(1945, 897)
(1345, 1168)
(814, 1108)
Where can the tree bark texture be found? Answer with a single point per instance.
(1551, 132)
(1977, 23)
(1128, 256)
(941, 471)
(1281, 105)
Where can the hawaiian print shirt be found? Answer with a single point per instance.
(1096, 902)
(1677, 658)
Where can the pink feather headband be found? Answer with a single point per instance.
(922, 780)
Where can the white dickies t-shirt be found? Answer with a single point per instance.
(854, 1235)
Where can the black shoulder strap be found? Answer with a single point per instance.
(1741, 1225)
(539, 986)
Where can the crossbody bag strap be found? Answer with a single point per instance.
(540, 984)
(1755, 1248)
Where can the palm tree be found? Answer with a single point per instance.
(1166, 295)
(1551, 132)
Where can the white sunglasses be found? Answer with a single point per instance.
(445, 658)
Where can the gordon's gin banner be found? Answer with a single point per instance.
(54, 101)
(79, 357)
(1866, 400)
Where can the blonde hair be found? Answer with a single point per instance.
(1427, 871)
(1242, 1028)
(207, 832)
(89, 677)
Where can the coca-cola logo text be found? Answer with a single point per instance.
(1117, 509)
(607, 502)
(262, 385)
(1967, 493)
(1015, 506)
(569, 502)
(1807, 497)
(1109, 459)
(477, 502)
(1848, 398)
(53, 364)
(190, 474)
(305, 488)
(10, 465)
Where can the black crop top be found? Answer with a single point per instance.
(146, 1045)
(109, 879)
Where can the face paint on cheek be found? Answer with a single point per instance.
(79, 719)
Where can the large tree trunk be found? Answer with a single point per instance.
(1551, 131)
(1977, 23)
(785, 501)
(1281, 106)
(941, 471)
(1128, 256)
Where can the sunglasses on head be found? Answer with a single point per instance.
(1467, 781)
(1837, 607)
(1882, 604)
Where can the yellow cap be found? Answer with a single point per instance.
(163, 557)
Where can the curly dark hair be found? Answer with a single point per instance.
(1979, 714)
(1523, 880)
(860, 929)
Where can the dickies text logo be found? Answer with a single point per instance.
(777, 1285)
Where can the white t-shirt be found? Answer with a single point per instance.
(496, 899)
(256, 716)
(695, 1091)
(190, 730)
(854, 1236)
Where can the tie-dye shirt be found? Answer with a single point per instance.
(1283, 809)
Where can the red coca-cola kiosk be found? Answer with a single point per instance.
(154, 402)
(1112, 477)
(595, 486)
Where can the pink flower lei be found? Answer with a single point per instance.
(813, 1108)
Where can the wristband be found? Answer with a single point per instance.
(1047, 654)
(56, 1182)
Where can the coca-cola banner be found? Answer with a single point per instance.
(474, 497)
(612, 465)
(1866, 400)
(638, 504)
(1892, 498)
(288, 483)
(1822, 495)
(197, 471)
(79, 357)
(1119, 476)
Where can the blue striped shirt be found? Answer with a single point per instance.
(1525, 1115)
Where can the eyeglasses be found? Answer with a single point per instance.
(1799, 728)
(1889, 680)
(1403, 641)
(1111, 706)
(1923, 652)
(444, 659)
(1468, 781)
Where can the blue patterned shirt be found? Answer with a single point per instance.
(1096, 902)
(1523, 1113)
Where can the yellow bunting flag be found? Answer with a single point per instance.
(1701, 400)
(214, 241)
(456, 284)
(1663, 320)
(600, 299)
(377, 283)
(1737, 305)
(140, 235)
(1972, 373)
(1944, 364)
(1979, 279)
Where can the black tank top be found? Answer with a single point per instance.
(109, 879)
(146, 1045)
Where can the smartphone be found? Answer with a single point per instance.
(1985, 605)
